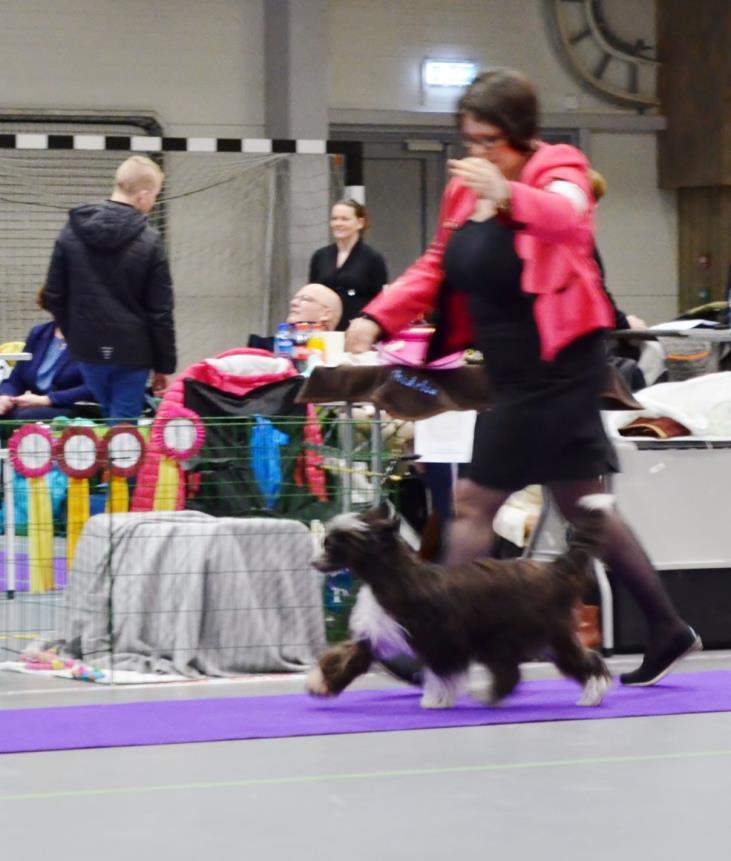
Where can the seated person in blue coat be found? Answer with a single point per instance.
(49, 384)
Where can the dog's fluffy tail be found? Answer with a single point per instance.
(587, 540)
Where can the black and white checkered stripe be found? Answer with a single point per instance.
(351, 150)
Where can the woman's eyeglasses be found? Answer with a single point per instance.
(483, 141)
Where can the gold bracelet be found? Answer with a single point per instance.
(503, 205)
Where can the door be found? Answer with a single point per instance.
(403, 189)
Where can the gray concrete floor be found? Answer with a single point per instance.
(610, 789)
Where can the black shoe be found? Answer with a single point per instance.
(657, 664)
(405, 668)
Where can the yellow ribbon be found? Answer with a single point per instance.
(77, 514)
(166, 489)
(40, 535)
(118, 500)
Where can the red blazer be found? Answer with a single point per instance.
(556, 246)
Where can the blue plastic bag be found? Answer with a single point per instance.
(266, 458)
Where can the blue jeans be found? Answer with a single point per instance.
(119, 391)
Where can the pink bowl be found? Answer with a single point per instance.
(407, 348)
(453, 360)
(410, 346)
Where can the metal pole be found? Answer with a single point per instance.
(348, 445)
(377, 455)
(10, 573)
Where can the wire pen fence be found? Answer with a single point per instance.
(140, 552)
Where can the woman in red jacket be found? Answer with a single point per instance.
(511, 269)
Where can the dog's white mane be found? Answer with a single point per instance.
(348, 522)
(371, 622)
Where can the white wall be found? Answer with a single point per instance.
(376, 50)
(377, 47)
(197, 65)
(636, 227)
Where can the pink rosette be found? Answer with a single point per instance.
(180, 434)
(31, 450)
(65, 458)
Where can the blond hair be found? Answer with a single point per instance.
(598, 184)
(138, 173)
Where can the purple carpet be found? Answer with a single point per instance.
(230, 718)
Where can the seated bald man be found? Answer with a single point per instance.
(316, 303)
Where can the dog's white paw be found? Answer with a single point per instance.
(436, 700)
(480, 685)
(482, 694)
(441, 692)
(594, 691)
(315, 683)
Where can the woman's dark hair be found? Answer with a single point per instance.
(357, 207)
(504, 98)
(41, 298)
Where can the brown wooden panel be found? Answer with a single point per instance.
(694, 84)
(704, 229)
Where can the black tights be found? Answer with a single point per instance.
(471, 534)
(627, 560)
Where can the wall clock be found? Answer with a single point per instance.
(621, 67)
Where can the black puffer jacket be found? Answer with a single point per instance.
(109, 289)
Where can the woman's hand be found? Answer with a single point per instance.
(636, 322)
(6, 404)
(31, 400)
(361, 335)
(482, 177)
(160, 384)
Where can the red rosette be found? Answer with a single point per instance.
(77, 452)
(31, 450)
(123, 450)
(180, 434)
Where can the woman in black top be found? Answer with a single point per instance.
(353, 269)
(516, 234)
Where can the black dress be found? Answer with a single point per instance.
(545, 423)
(357, 281)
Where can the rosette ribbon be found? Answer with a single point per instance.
(179, 436)
(123, 450)
(31, 453)
(77, 455)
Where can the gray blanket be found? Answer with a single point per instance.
(188, 593)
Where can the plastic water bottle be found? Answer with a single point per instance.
(283, 343)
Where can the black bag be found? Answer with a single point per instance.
(629, 371)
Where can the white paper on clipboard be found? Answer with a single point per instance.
(445, 438)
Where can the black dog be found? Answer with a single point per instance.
(497, 613)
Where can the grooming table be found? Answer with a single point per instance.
(419, 393)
